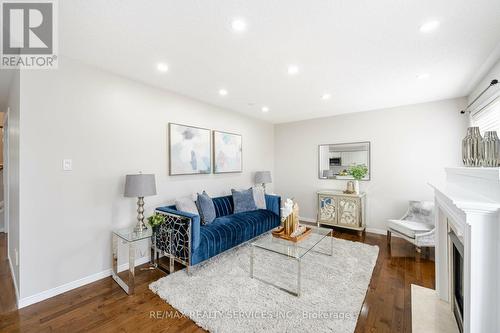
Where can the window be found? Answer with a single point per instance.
(488, 119)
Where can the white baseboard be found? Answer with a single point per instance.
(368, 229)
(16, 289)
(74, 284)
(377, 231)
(2, 229)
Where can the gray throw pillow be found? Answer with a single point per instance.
(243, 201)
(186, 204)
(206, 208)
(259, 196)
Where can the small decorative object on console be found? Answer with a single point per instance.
(358, 172)
(350, 188)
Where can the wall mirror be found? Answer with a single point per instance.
(335, 159)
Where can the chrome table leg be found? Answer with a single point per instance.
(131, 268)
(331, 244)
(251, 260)
(171, 265)
(299, 273)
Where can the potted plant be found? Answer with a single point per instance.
(155, 221)
(358, 172)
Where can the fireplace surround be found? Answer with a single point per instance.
(468, 243)
(457, 278)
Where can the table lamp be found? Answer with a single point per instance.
(263, 177)
(140, 186)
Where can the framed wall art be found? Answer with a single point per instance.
(227, 152)
(189, 150)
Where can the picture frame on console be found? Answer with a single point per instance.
(228, 152)
(189, 150)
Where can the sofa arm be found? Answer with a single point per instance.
(182, 222)
(273, 203)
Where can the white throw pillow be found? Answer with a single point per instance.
(259, 196)
(186, 204)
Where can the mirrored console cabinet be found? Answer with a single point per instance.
(338, 209)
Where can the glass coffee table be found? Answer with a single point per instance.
(291, 250)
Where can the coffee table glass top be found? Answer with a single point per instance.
(291, 249)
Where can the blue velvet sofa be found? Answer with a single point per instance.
(184, 239)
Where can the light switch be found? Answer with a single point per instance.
(67, 165)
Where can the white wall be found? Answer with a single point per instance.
(493, 73)
(410, 146)
(109, 126)
(11, 172)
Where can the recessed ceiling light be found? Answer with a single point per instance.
(423, 76)
(326, 96)
(222, 92)
(162, 67)
(293, 69)
(239, 25)
(265, 109)
(429, 26)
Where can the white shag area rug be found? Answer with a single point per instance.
(220, 296)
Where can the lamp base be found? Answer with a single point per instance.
(140, 226)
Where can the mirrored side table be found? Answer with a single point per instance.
(130, 237)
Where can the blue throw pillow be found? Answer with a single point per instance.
(243, 201)
(206, 208)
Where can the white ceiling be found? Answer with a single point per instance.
(365, 53)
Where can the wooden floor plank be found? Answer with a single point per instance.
(102, 306)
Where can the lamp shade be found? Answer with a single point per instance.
(263, 177)
(140, 185)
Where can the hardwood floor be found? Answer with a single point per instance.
(103, 306)
(7, 291)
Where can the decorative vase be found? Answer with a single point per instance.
(465, 147)
(356, 186)
(491, 149)
(473, 148)
(350, 187)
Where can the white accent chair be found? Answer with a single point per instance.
(417, 226)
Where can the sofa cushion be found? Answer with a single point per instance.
(223, 205)
(229, 231)
(409, 228)
(421, 211)
(259, 196)
(186, 204)
(205, 208)
(243, 201)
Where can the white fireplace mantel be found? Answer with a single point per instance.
(469, 204)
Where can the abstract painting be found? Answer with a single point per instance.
(227, 152)
(189, 151)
